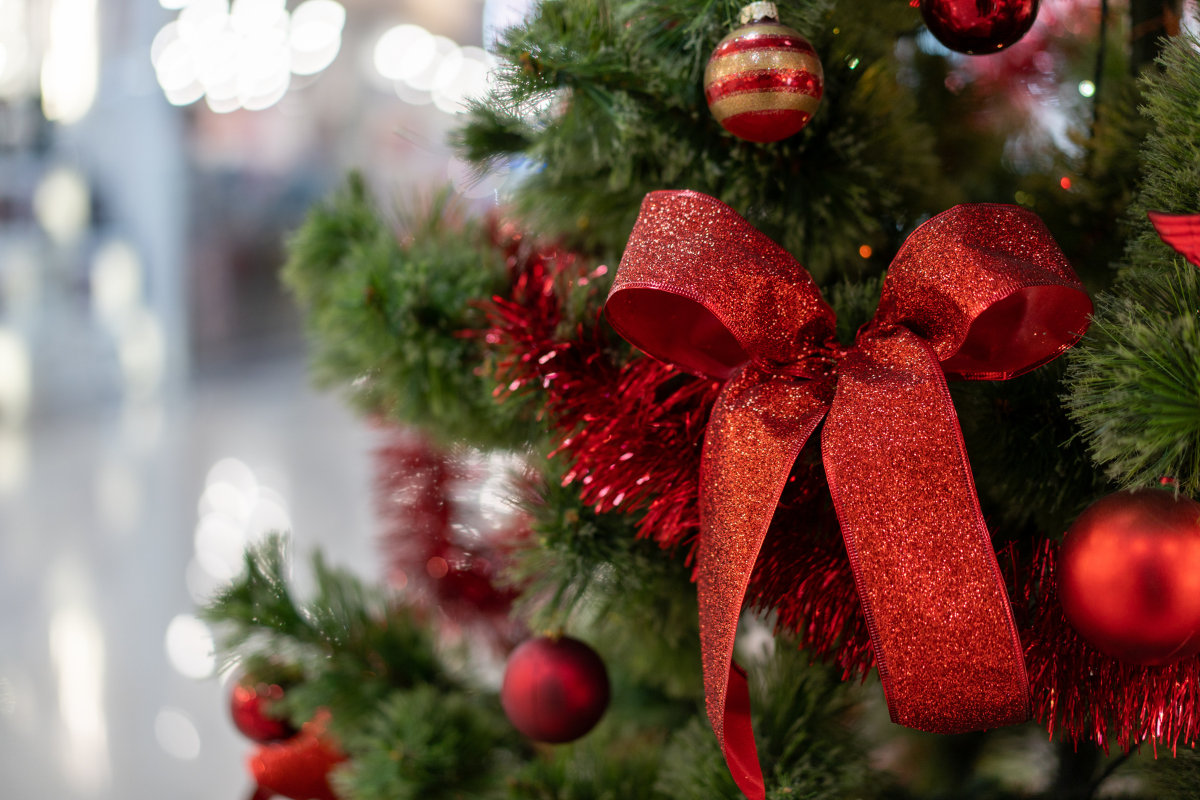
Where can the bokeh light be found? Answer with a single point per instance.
(427, 68)
(62, 204)
(190, 648)
(16, 377)
(244, 56)
(176, 734)
(234, 512)
(71, 66)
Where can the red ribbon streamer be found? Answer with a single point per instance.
(979, 292)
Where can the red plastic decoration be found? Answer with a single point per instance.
(978, 27)
(764, 81)
(298, 768)
(1180, 231)
(555, 690)
(247, 707)
(1129, 576)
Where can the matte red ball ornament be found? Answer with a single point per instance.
(764, 81)
(1129, 576)
(978, 27)
(555, 689)
(248, 706)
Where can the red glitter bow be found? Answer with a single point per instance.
(979, 292)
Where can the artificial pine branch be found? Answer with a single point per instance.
(390, 314)
(604, 99)
(1135, 382)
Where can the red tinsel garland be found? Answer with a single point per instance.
(632, 434)
(428, 551)
(1085, 693)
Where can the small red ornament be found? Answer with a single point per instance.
(247, 707)
(555, 689)
(764, 81)
(1129, 576)
(298, 768)
(978, 27)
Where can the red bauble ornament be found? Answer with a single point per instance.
(978, 27)
(764, 81)
(247, 707)
(555, 689)
(1129, 576)
(298, 768)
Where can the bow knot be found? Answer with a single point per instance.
(979, 292)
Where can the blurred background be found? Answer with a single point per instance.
(155, 411)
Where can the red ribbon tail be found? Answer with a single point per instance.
(741, 754)
(756, 431)
(944, 636)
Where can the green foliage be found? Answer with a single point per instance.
(589, 569)
(613, 763)
(605, 101)
(350, 645)
(391, 318)
(854, 304)
(1135, 382)
(1030, 466)
(805, 747)
(410, 728)
(424, 744)
(1171, 776)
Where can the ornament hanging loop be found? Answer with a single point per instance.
(758, 11)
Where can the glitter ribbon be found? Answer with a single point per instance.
(979, 292)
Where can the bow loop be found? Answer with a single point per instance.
(987, 287)
(701, 288)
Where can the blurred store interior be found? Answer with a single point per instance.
(155, 411)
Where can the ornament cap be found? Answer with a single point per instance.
(756, 11)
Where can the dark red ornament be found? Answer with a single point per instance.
(555, 689)
(298, 768)
(978, 27)
(1129, 576)
(248, 706)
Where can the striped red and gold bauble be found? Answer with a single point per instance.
(764, 81)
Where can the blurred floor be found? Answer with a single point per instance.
(96, 539)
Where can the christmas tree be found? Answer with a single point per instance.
(854, 477)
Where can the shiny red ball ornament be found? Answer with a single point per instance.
(555, 689)
(764, 81)
(978, 27)
(1129, 576)
(248, 706)
(298, 768)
